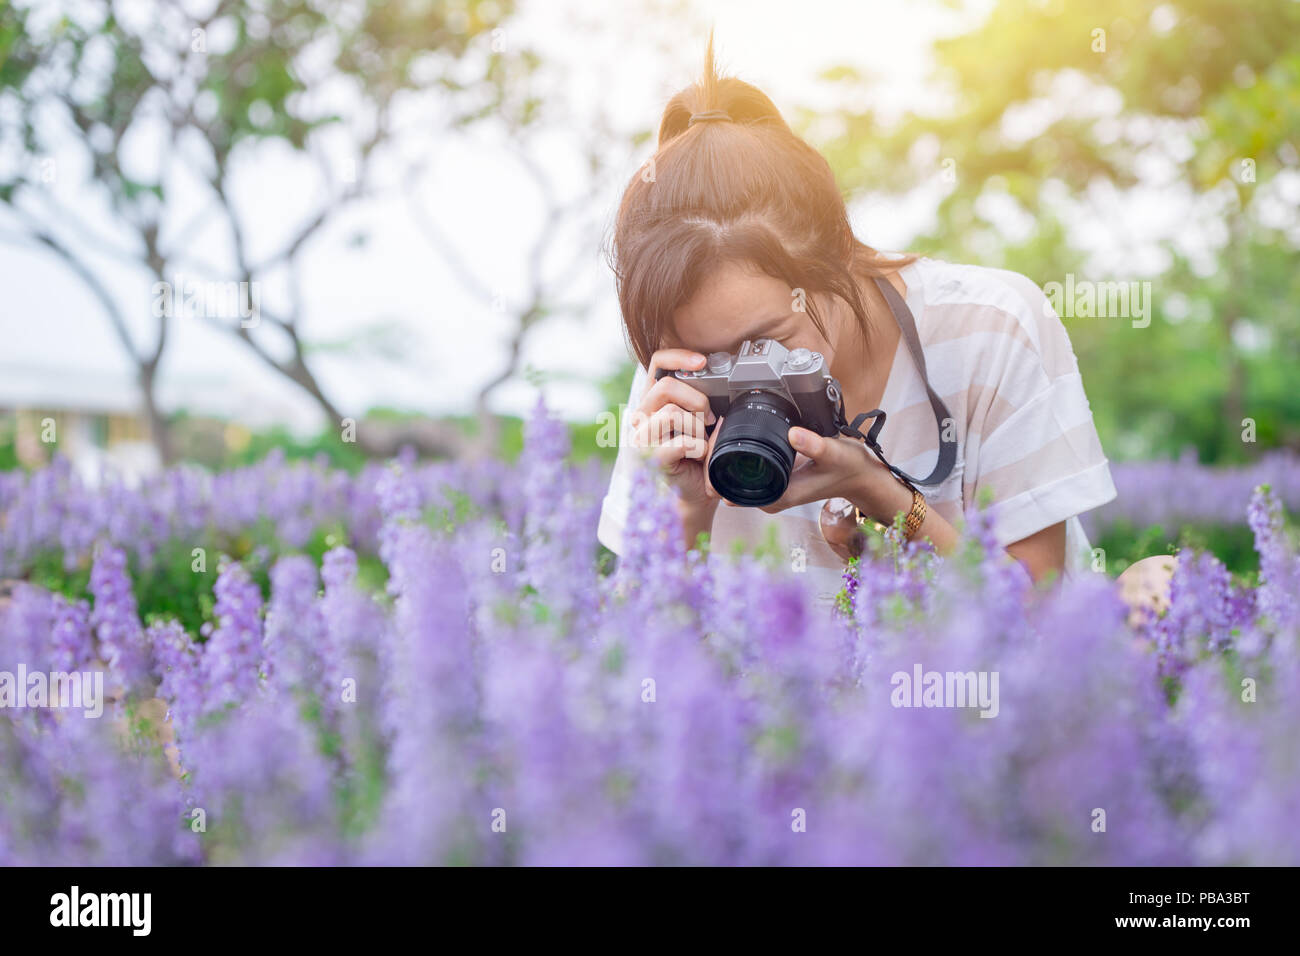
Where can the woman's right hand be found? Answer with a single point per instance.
(670, 422)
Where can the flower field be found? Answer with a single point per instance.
(429, 664)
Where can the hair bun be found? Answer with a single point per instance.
(717, 98)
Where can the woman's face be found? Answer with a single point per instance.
(737, 302)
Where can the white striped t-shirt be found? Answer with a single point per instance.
(1000, 358)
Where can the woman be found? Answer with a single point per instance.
(735, 231)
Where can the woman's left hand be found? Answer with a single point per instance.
(840, 467)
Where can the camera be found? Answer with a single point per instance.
(762, 392)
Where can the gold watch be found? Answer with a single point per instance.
(911, 525)
(915, 517)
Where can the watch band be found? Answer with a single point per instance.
(911, 524)
(915, 517)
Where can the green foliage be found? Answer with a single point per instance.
(47, 571)
(1052, 100)
(1125, 544)
(326, 444)
(173, 588)
(458, 510)
(8, 454)
(251, 85)
(177, 584)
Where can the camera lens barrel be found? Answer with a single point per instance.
(752, 457)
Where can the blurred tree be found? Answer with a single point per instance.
(532, 118)
(548, 289)
(1055, 115)
(199, 83)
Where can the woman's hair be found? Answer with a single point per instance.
(745, 190)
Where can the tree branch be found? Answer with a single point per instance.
(88, 278)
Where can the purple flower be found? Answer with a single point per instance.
(432, 695)
(232, 656)
(1279, 568)
(501, 702)
(265, 790)
(117, 621)
(178, 667)
(1205, 610)
(70, 634)
(295, 631)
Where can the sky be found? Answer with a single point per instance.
(622, 61)
(394, 322)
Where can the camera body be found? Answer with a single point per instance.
(761, 392)
(799, 376)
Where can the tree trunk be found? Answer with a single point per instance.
(489, 425)
(488, 439)
(159, 430)
(379, 440)
(1234, 400)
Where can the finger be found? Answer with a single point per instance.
(675, 359)
(812, 482)
(675, 420)
(789, 499)
(816, 481)
(668, 421)
(709, 490)
(809, 444)
(674, 391)
(669, 455)
(776, 507)
(797, 493)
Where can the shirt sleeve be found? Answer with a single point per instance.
(1039, 459)
(614, 507)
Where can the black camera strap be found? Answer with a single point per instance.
(947, 446)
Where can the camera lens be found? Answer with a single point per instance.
(752, 457)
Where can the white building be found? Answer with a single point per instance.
(96, 418)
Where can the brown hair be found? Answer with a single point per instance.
(748, 190)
